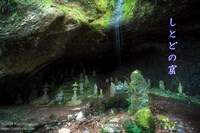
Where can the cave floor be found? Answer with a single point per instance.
(186, 116)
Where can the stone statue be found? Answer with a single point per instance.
(95, 90)
(45, 97)
(81, 79)
(161, 85)
(75, 100)
(148, 84)
(101, 93)
(138, 92)
(81, 88)
(60, 97)
(112, 89)
(107, 81)
(116, 80)
(180, 88)
(86, 80)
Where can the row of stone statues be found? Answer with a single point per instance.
(162, 87)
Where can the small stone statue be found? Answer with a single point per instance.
(101, 93)
(60, 97)
(81, 77)
(95, 90)
(148, 84)
(81, 88)
(86, 80)
(161, 85)
(116, 80)
(75, 85)
(107, 81)
(112, 89)
(45, 97)
(125, 85)
(180, 88)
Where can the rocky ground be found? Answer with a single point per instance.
(53, 119)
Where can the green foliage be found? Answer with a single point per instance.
(101, 107)
(165, 123)
(170, 94)
(7, 7)
(144, 120)
(129, 127)
(101, 5)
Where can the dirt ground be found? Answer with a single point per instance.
(187, 116)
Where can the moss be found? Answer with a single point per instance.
(138, 92)
(129, 6)
(129, 127)
(101, 5)
(101, 107)
(112, 102)
(165, 123)
(170, 94)
(144, 120)
(102, 22)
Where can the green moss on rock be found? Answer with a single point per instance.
(144, 120)
(129, 127)
(165, 123)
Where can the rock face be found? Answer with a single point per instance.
(40, 33)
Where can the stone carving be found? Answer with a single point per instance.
(81, 88)
(148, 84)
(81, 79)
(161, 85)
(112, 89)
(116, 80)
(45, 96)
(60, 97)
(86, 80)
(95, 90)
(75, 100)
(180, 88)
(101, 93)
(138, 91)
(107, 81)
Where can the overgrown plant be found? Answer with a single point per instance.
(7, 7)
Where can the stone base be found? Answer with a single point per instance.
(74, 103)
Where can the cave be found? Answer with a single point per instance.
(73, 65)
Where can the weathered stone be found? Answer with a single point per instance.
(64, 130)
(138, 90)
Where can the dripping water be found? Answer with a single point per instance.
(118, 16)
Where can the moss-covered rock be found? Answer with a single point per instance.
(129, 127)
(101, 5)
(165, 122)
(138, 92)
(144, 120)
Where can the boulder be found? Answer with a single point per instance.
(144, 120)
